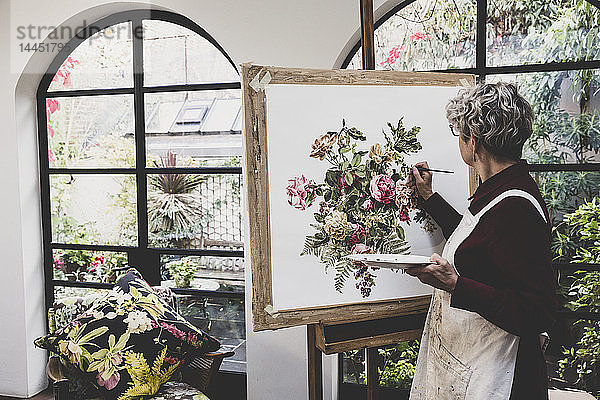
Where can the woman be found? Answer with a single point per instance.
(495, 290)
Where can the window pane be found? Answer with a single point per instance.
(224, 319)
(192, 211)
(203, 272)
(563, 193)
(88, 266)
(354, 367)
(94, 209)
(201, 128)
(426, 35)
(104, 60)
(176, 55)
(567, 115)
(540, 32)
(396, 365)
(90, 131)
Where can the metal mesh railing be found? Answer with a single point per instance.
(222, 213)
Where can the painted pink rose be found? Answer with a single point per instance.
(300, 192)
(358, 233)
(382, 188)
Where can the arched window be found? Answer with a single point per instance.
(551, 49)
(140, 153)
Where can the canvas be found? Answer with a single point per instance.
(328, 152)
(296, 116)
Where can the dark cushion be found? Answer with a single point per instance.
(128, 342)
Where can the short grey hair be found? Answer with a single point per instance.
(496, 115)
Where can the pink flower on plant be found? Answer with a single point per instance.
(51, 157)
(419, 36)
(382, 188)
(52, 105)
(56, 262)
(64, 72)
(357, 234)
(393, 55)
(300, 192)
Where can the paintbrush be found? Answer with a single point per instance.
(422, 169)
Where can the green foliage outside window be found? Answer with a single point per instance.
(583, 359)
(399, 365)
(396, 368)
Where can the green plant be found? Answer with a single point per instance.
(399, 364)
(584, 357)
(182, 271)
(396, 365)
(75, 261)
(174, 209)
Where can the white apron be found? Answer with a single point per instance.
(462, 355)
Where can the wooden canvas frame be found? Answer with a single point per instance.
(257, 191)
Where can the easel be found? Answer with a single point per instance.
(336, 328)
(369, 334)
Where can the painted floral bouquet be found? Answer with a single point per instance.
(365, 199)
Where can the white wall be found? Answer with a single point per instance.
(308, 33)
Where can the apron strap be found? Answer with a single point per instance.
(512, 193)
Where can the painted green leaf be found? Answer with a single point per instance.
(349, 178)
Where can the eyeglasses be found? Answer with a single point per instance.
(453, 132)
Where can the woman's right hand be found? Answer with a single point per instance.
(423, 180)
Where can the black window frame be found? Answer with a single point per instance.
(481, 70)
(142, 256)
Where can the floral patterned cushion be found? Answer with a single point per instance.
(129, 342)
(67, 309)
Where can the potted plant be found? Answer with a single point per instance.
(75, 263)
(182, 271)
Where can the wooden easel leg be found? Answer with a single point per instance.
(315, 366)
(372, 374)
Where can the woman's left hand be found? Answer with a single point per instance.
(440, 274)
